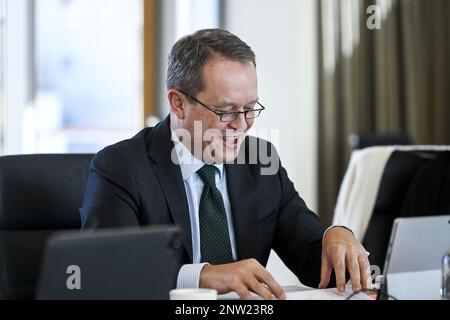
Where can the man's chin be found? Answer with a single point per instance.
(223, 154)
(222, 158)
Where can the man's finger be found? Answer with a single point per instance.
(266, 278)
(243, 292)
(364, 267)
(339, 269)
(325, 273)
(260, 289)
(354, 270)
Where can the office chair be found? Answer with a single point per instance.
(39, 195)
(398, 174)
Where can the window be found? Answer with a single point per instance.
(85, 65)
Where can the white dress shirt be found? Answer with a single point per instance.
(189, 274)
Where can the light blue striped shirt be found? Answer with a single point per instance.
(189, 274)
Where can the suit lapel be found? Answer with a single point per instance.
(159, 149)
(243, 205)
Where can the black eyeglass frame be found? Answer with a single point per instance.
(234, 113)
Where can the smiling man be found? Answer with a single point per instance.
(199, 169)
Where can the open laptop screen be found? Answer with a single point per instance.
(413, 262)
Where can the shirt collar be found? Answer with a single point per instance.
(189, 164)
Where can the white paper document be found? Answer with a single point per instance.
(326, 294)
(305, 293)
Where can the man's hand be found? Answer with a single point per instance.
(340, 251)
(243, 277)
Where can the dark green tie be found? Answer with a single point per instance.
(215, 243)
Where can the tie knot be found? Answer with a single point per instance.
(208, 175)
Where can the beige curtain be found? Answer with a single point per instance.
(390, 80)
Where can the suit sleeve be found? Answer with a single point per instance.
(298, 235)
(111, 198)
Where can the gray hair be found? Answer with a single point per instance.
(190, 54)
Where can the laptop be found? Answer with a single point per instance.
(109, 264)
(21, 254)
(412, 268)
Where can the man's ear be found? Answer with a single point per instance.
(177, 102)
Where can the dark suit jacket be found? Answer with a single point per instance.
(134, 182)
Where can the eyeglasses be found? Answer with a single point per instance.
(230, 116)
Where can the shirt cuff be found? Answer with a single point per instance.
(334, 226)
(189, 275)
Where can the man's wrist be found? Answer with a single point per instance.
(335, 226)
(341, 226)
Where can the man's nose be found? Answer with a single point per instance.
(240, 122)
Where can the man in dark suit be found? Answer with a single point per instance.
(199, 169)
